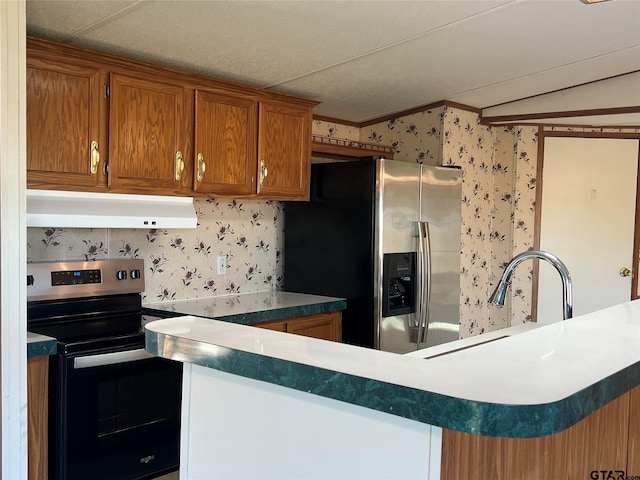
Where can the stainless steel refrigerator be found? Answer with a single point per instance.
(385, 235)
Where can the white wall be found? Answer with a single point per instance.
(13, 239)
(237, 427)
(587, 220)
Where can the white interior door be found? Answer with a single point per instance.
(588, 219)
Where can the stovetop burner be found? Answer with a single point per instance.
(78, 302)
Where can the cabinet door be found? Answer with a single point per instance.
(148, 135)
(63, 119)
(38, 417)
(225, 144)
(278, 325)
(633, 448)
(284, 151)
(327, 326)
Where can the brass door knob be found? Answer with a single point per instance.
(625, 272)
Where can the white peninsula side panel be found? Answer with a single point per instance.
(236, 427)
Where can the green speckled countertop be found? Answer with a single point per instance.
(39, 345)
(249, 308)
(530, 384)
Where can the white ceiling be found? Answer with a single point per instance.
(365, 59)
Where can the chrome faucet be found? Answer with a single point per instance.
(498, 296)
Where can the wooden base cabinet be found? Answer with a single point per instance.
(603, 445)
(38, 417)
(326, 326)
(633, 450)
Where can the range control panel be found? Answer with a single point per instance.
(73, 279)
(76, 277)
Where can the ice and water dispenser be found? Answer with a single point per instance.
(399, 278)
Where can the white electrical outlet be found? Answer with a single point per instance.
(222, 264)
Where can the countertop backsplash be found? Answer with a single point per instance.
(182, 264)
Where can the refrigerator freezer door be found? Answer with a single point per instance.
(329, 243)
(397, 213)
(441, 197)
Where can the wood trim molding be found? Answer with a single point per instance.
(403, 113)
(421, 108)
(336, 120)
(561, 125)
(536, 225)
(636, 235)
(500, 121)
(461, 106)
(518, 119)
(556, 133)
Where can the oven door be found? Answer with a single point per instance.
(117, 415)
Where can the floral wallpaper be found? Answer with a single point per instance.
(498, 210)
(182, 264)
(414, 138)
(525, 142)
(471, 145)
(498, 200)
(335, 130)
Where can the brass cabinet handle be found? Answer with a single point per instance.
(263, 172)
(625, 272)
(95, 158)
(179, 165)
(201, 167)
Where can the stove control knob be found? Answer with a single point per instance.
(121, 275)
(135, 274)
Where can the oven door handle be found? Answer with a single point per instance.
(103, 359)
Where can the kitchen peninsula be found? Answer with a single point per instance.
(342, 411)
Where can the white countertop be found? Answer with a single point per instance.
(534, 366)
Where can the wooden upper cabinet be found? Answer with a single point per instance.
(158, 130)
(148, 135)
(64, 135)
(284, 151)
(225, 144)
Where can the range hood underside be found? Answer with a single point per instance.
(49, 208)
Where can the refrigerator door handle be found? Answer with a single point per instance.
(425, 280)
